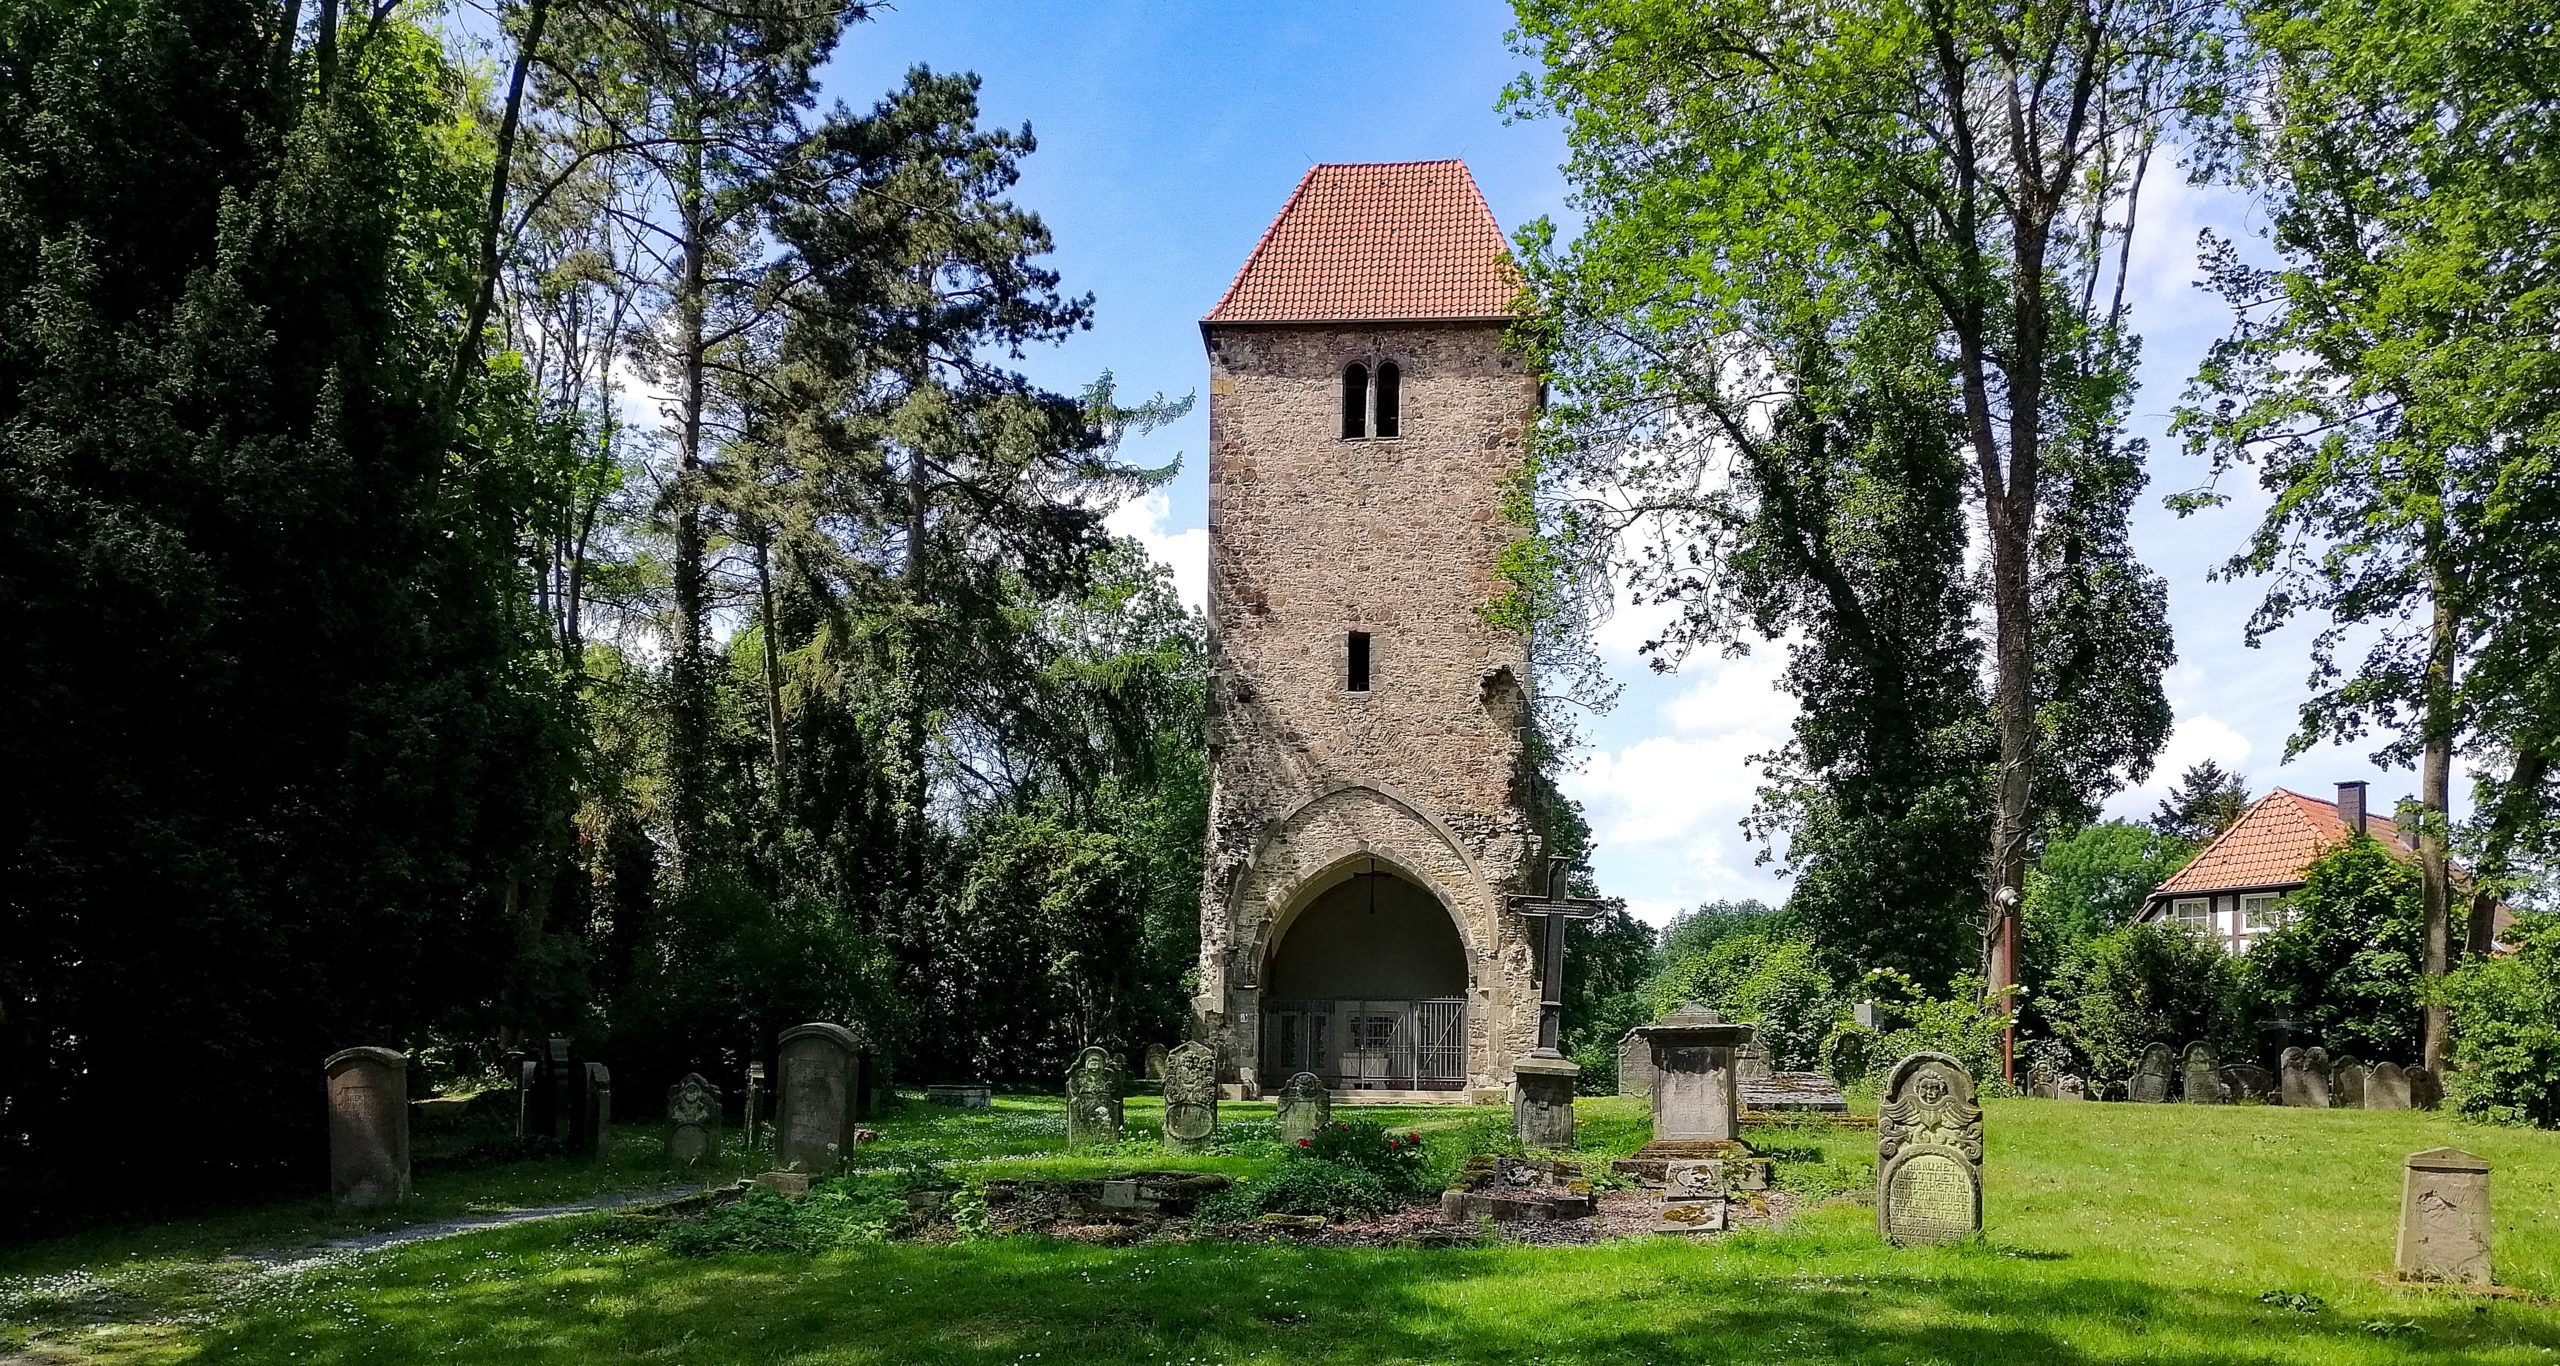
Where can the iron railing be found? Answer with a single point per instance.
(1369, 1045)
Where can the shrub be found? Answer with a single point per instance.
(849, 1211)
(1960, 1024)
(2347, 967)
(2506, 1027)
(2144, 984)
(1849, 1055)
(1367, 1145)
(1333, 1190)
(1759, 968)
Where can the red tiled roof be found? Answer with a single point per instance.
(2273, 844)
(1362, 243)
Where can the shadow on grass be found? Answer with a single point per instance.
(535, 1299)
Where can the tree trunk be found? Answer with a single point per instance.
(2435, 781)
(772, 670)
(466, 351)
(688, 719)
(2514, 800)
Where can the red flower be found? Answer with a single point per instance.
(1415, 1137)
(1306, 1143)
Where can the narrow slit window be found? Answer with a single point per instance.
(1390, 399)
(1356, 676)
(1355, 403)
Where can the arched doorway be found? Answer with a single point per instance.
(1367, 989)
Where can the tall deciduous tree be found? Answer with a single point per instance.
(2394, 383)
(2207, 799)
(1764, 175)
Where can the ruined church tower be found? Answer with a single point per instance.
(1366, 725)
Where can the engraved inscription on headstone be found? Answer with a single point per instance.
(368, 1126)
(1304, 1107)
(1093, 1099)
(1190, 1098)
(2199, 1076)
(810, 1106)
(2150, 1084)
(2444, 1217)
(1929, 1153)
(693, 1120)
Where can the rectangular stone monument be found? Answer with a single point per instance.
(1693, 1200)
(368, 1127)
(1695, 1095)
(812, 1103)
(1635, 1065)
(1190, 1098)
(1093, 1099)
(960, 1095)
(2152, 1076)
(2387, 1088)
(1929, 1153)
(561, 1086)
(529, 1095)
(1542, 1101)
(2444, 1217)
(693, 1121)
(1751, 1060)
(591, 1127)
(754, 1120)
(1304, 1106)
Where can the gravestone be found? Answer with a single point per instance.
(1155, 1062)
(866, 1080)
(1190, 1098)
(2315, 1077)
(2387, 1088)
(2199, 1079)
(2293, 1079)
(368, 1127)
(1093, 1099)
(1693, 1198)
(529, 1096)
(755, 1107)
(2444, 1217)
(2151, 1076)
(591, 1129)
(1694, 1092)
(560, 1120)
(1542, 1101)
(812, 1102)
(1929, 1153)
(2426, 1089)
(960, 1095)
(693, 1120)
(2069, 1087)
(1751, 1060)
(1635, 1065)
(2041, 1082)
(1304, 1107)
(2247, 1081)
(2347, 1085)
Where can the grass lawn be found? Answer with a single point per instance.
(2115, 1233)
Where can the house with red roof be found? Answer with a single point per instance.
(2234, 890)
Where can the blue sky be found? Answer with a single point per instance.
(1171, 133)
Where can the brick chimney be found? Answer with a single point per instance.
(2351, 806)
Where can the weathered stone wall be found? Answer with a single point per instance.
(1312, 537)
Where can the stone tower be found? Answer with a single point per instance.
(1366, 725)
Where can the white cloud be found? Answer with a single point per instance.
(1143, 519)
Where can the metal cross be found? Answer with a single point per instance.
(1556, 906)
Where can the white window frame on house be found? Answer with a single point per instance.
(2259, 912)
(2194, 912)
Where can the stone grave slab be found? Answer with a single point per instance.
(693, 1121)
(368, 1127)
(2444, 1217)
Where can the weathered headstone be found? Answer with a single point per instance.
(693, 1120)
(591, 1129)
(2387, 1088)
(562, 1116)
(1751, 1060)
(368, 1127)
(1694, 1091)
(2444, 1217)
(2069, 1087)
(2315, 1076)
(529, 1095)
(1542, 1101)
(2248, 1081)
(2347, 1085)
(2293, 1078)
(866, 1079)
(1635, 1065)
(1190, 1098)
(1155, 1062)
(1929, 1153)
(812, 1101)
(2426, 1089)
(1093, 1099)
(2041, 1082)
(1693, 1198)
(2199, 1078)
(2152, 1075)
(1305, 1106)
(755, 1107)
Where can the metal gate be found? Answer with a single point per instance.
(1369, 1045)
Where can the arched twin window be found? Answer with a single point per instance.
(1367, 407)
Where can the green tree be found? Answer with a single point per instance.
(2207, 799)
(2506, 1030)
(2391, 382)
(2345, 964)
(2095, 881)
(2132, 987)
(1927, 197)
